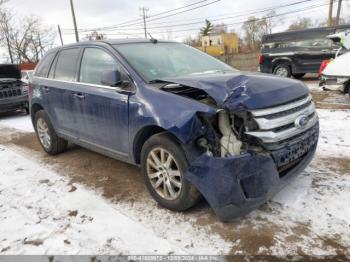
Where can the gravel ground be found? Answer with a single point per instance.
(81, 202)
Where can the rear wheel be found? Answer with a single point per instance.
(164, 165)
(282, 69)
(50, 142)
(298, 76)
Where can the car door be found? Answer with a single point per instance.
(313, 52)
(104, 110)
(61, 90)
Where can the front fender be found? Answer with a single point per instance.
(173, 113)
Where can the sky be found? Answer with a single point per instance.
(92, 14)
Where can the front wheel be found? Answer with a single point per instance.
(282, 69)
(164, 165)
(49, 140)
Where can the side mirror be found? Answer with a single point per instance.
(111, 78)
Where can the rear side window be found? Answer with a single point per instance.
(66, 66)
(44, 66)
(96, 61)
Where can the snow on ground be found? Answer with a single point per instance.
(17, 121)
(317, 198)
(41, 214)
(334, 133)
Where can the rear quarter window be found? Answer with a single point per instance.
(44, 66)
(67, 64)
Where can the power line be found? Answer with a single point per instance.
(254, 11)
(243, 21)
(201, 22)
(158, 14)
(252, 20)
(240, 14)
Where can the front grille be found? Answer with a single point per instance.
(277, 124)
(279, 133)
(10, 90)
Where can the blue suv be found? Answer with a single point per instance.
(195, 126)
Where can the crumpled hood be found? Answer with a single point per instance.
(242, 91)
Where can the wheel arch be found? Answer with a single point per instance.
(34, 109)
(141, 137)
(347, 88)
(282, 60)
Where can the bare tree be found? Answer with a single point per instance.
(253, 31)
(270, 21)
(95, 36)
(27, 40)
(192, 41)
(301, 23)
(219, 29)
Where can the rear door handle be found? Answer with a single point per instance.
(79, 96)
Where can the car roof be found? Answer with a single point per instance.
(302, 34)
(115, 42)
(108, 42)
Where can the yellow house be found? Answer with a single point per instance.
(221, 44)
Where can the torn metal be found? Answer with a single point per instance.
(240, 135)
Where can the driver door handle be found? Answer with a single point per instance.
(79, 96)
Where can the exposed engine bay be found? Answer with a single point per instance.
(273, 131)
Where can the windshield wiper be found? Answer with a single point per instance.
(211, 72)
(157, 81)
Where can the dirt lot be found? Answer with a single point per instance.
(305, 218)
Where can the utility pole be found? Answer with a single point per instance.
(60, 33)
(74, 21)
(338, 13)
(330, 13)
(144, 16)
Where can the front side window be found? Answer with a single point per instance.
(66, 66)
(96, 61)
(155, 61)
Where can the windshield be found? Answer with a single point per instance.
(154, 61)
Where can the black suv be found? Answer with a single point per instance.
(296, 53)
(13, 92)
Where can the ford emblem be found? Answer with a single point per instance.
(301, 121)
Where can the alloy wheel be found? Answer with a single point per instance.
(282, 71)
(43, 133)
(164, 174)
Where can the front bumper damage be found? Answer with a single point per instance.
(236, 185)
(14, 103)
(333, 83)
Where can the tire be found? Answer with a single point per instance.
(298, 76)
(56, 144)
(187, 195)
(282, 69)
(26, 110)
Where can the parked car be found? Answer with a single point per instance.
(194, 125)
(27, 76)
(13, 94)
(296, 53)
(335, 73)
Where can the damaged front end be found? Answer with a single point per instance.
(247, 155)
(335, 83)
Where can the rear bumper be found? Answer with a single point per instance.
(13, 103)
(235, 186)
(333, 83)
